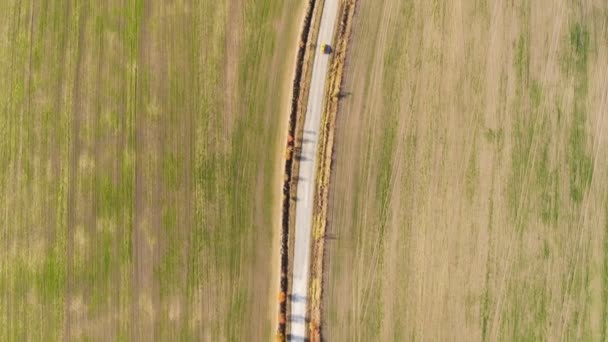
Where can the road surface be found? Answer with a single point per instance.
(306, 176)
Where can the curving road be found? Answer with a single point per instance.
(306, 176)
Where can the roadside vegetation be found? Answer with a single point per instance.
(468, 196)
(140, 145)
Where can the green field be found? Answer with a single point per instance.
(139, 149)
(468, 198)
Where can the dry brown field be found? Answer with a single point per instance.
(469, 195)
(140, 158)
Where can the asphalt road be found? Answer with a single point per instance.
(306, 176)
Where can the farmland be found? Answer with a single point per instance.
(468, 194)
(140, 158)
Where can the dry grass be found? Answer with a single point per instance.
(468, 199)
(139, 153)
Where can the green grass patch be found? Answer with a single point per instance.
(171, 170)
(522, 58)
(581, 170)
(547, 183)
(523, 134)
(579, 42)
(472, 173)
(50, 280)
(580, 161)
(525, 314)
(168, 270)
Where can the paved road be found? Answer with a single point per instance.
(306, 189)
